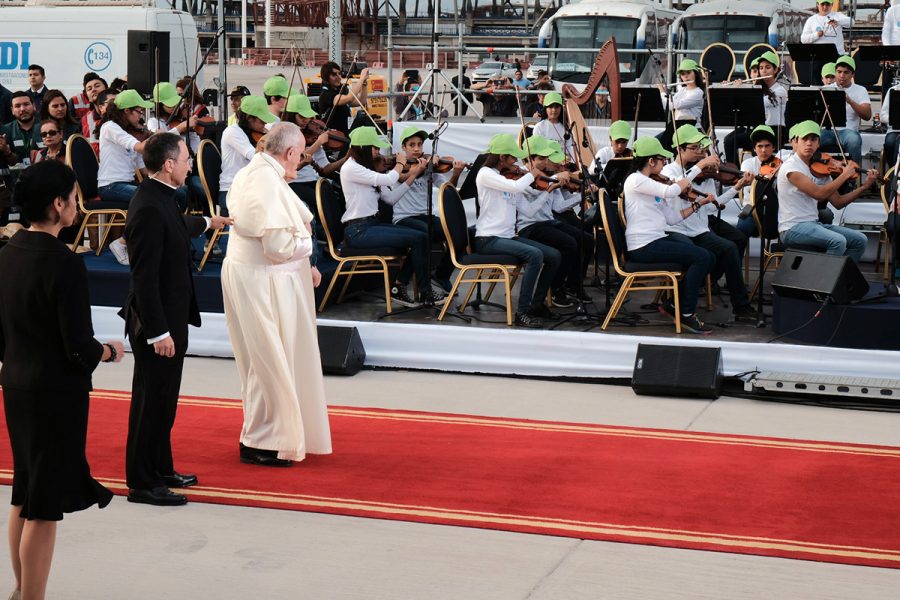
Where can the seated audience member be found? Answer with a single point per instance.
(36, 89)
(54, 145)
(91, 119)
(521, 81)
(80, 103)
(18, 136)
(56, 109)
(534, 104)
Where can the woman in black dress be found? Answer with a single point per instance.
(48, 351)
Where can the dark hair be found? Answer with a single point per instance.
(90, 76)
(242, 120)
(118, 85)
(542, 72)
(363, 156)
(19, 94)
(45, 107)
(326, 70)
(184, 82)
(117, 116)
(39, 185)
(37, 68)
(159, 148)
(491, 161)
(639, 162)
(271, 99)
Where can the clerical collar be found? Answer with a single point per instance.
(169, 185)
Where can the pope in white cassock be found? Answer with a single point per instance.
(267, 284)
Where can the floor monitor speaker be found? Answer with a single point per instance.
(816, 276)
(148, 60)
(677, 371)
(341, 350)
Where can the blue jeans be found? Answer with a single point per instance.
(837, 241)
(444, 268)
(372, 234)
(747, 226)
(890, 149)
(850, 140)
(541, 263)
(118, 192)
(728, 261)
(695, 262)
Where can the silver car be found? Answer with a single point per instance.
(540, 62)
(490, 69)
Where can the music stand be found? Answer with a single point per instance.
(651, 107)
(614, 173)
(813, 57)
(806, 103)
(868, 59)
(741, 106)
(894, 110)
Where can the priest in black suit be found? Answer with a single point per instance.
(160, 305)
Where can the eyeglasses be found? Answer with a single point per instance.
(49, 133)
(692, 148)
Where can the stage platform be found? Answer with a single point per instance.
(577, 349)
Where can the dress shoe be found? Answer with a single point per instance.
(160, 496)
(263, 458)
(178, 480)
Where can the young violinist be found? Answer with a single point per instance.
(536, 221)
(120, 155)
(495, 229)
(315, 162)
(336, 98)
(619, 136)
(649, 214)
(362, 185)
(410, 198)
(166, 100)
(764, 162)
(695, 229)
(239, 142)
(276, 91)
(553, 125)
(799, 194)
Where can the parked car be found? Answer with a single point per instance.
(539, 63)
(489, 69)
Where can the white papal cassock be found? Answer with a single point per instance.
(271, 315)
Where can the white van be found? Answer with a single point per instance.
(68, 41)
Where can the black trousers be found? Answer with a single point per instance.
(564, 238)
(154, 399)
(726, 230)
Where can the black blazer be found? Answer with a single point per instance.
(46, 336)
(158, 235)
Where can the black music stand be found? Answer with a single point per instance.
(806, 104)
(868, 63)
(651, 106)
(894, 110)
(741, 106)
(811, 58)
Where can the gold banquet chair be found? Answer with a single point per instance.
(209, 167)
(80, 158)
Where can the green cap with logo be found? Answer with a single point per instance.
(650, 146)
(705, 142)
(553, 98)
(504, 143)
(763, 132)
(367, 136)
(298, 103)
(412, 130)
(688, 64)
(165, 93)
(770, 57)
(557, 155)
(276, 86)
(536, 146)
(805, 128)
(847, 61)
(256, 106)
(131, 99)
(828, 70)
(686, 134)
(620, 130)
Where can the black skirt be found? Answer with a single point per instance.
(48, 433)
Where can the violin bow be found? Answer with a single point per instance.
(831, 121)
(343, 85)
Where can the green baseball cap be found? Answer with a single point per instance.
(256, 106)
(166, 94)
(824, 1)
(650, 146)
(412, 130)
(846, 60)
(705, 142)
(276, 86)
(557, 155)
(687, 134)
(754, 63)
(367, 136)
(687, 64)
(504, 143)
(553, 98)
(131, 99)
(805, 128)
(620, 130)
(828, 70)
(763, 132)
(536, 146)
(298, 103)
(770, 57)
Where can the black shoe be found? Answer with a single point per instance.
(746, 313)
(432, 297)
(177, 480)
(527, 320)
(443, 283)
(542, 312)
(263, 458)
(667, 308)
(399, 296)
(562, 300)
(160, 496)
(694, 325)
(583, 296)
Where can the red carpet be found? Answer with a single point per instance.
(810, 500)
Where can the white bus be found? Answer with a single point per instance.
(588, 24)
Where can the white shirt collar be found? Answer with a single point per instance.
(163, 182)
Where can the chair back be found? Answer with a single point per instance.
(81, 158)
(209, 167)
(615, 235)
(453, 221)
(770, 210)
(331, 209)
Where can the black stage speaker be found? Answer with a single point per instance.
(341, 349)
(143, 59)
(677, 371)
(815, 276)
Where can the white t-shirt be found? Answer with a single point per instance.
(118, 158)
(688, 104)
(858, 94)
(698, 222)
(555, 132)
(154, 124)
(886, 108)
(308, 173)
(793, 205)
(359, 185)
(498, 197)
(236, 154)
(775, 106)
(647, 211)
(411, 197)
(834, 32)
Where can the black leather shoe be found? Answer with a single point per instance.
(177, 480)
(263, 458)
(161, 496)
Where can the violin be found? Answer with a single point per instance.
(140, 131)
(824, 165)
(725, 173)
(516, 172)
(691, 194)
(201, 122)
(444, 165)
(769, 168)
(316, 127)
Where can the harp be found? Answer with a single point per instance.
(582, 105)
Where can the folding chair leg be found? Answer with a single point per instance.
(79, 238)
(677, 304)
(465, 302)
(508, 285)
(348, 277)
(109, 228)
(209, 249)
(452, 295)
(387, 287)
(331, 283)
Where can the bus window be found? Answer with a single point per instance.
(591, 33)
(738, 31)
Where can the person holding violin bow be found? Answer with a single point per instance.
(239, 142)
(763, 165)
(690, 164)
(337, 97)
(570, 192)
(799, 194)
(318, 139)
(410, 197)
(649, 215)
(619, 136)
